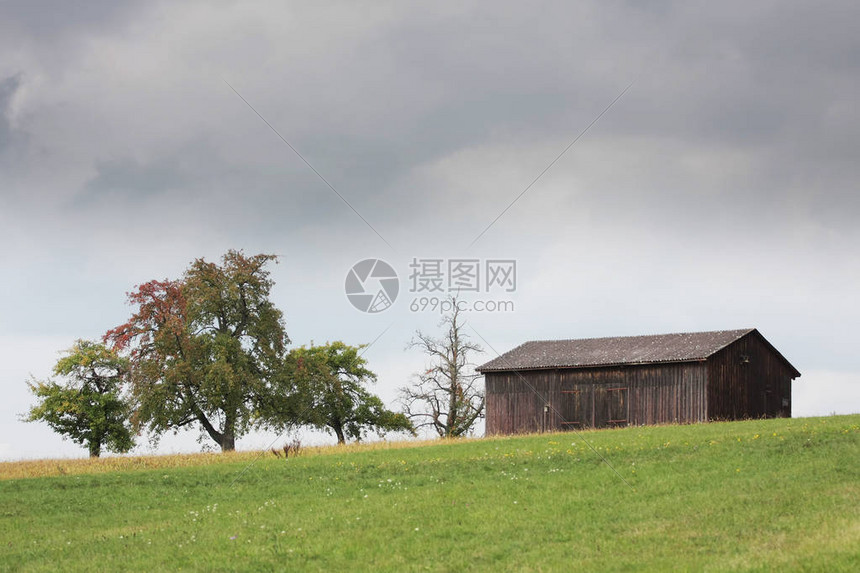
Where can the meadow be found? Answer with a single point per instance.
(752, 496)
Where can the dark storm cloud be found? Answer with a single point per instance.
(424, 84)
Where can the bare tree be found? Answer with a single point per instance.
(446, 396)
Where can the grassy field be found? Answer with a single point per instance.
(757, 495)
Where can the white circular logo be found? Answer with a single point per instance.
(372, 285)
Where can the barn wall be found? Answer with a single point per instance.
(515, 404)
(542, 400)
(747, 379)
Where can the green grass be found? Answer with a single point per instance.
(757, 495)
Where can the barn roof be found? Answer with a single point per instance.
(616, 351)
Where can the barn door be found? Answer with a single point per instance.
(610, 407)
(594, 407)
(576, 408)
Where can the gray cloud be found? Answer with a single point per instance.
(8, 87)
(48, 17)
(128, 177)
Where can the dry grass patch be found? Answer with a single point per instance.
(82, 466)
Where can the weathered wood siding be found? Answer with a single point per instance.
(555, 399)
(748, 379)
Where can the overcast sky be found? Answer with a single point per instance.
(720, 191)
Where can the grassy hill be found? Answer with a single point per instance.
(756, 495)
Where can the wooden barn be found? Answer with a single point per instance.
(551, 385)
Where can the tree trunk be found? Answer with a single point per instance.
(453, 415)
(228, 437)
(225, 439)
(338, 430)
(95, 448)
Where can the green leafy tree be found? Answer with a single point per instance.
(330, 381)
(204, 350)
(88, 406)
(446, 396)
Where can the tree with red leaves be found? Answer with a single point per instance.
(204, 349)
